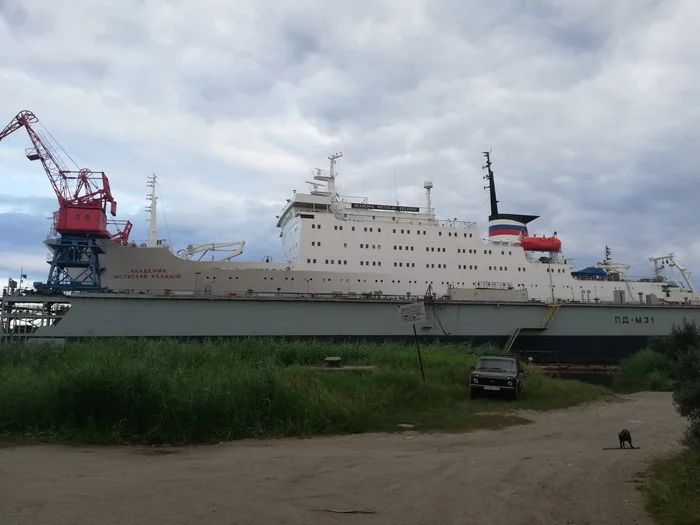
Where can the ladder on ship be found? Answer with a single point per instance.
(552, 310)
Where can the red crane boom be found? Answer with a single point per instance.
(83, 209)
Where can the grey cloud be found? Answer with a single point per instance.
(590, 108)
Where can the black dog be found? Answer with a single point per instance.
(623, 436)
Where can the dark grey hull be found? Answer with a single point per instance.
(587, 333)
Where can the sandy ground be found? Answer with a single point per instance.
(553, 471)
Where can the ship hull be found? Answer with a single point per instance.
(581, 333)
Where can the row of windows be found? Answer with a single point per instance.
(405, 231)
(424, 232)
(429, 265)
(367, 228)
(410, 248)
(332, 261)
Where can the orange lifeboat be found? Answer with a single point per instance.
(540, 244)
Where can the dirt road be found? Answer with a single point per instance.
(553, 471)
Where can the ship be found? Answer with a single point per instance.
(348, 268)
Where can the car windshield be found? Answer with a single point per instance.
(494, 363)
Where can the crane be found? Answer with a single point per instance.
(84, 200)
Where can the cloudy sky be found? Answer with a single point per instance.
(590, 107)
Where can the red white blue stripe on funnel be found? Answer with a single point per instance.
(502, 227)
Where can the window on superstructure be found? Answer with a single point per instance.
(401, 264)
(313, 226)
(502, 252)
(362, 263)
(345, 262)
(379, 246)
(379, 230)
(318, 227)
(353, 228)
(510, 253)
(427, 265)
(370, 229)
(374, 263)
(335, 227)
(362, 245)
(379, 264)
(489, 252)
(400, 247)
(439, 233)
(408, 231)
(326, 261)
(432, 265)
(345, 245)
(319, 243)
(314, 263)
(500, 268)
(365, 228)
(307, 260)
(332, 261)
(432, 248)
(489, 267)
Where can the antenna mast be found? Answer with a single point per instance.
(331, 183)
(492, 185)
(152, 209)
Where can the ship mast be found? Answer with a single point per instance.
(492, 185)
(331, 187)
(152, 209)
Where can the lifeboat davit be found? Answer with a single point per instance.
(540, 244)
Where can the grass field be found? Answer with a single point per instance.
(175, 392)
(673, 489)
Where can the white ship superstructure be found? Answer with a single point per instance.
(343, 246)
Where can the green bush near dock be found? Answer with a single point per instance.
(128, 391)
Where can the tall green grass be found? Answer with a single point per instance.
(133, 391)
(672, 489)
